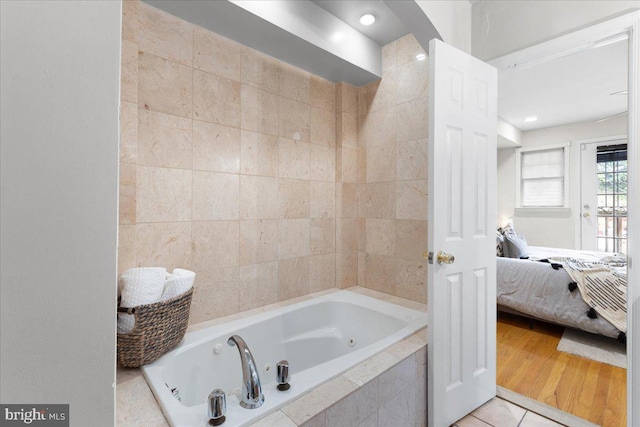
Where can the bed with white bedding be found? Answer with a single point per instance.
(538, 290)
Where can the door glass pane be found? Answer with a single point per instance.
(622, 166)
(612, 201)
(622, 246)
(601, 183)
(609, 182)
(602, 221)
(602, 244)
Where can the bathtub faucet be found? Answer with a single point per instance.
(252, 396)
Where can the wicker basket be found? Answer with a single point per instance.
(159, 327)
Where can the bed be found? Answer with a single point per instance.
(538, 290)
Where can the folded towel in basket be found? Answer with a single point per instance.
(139, 286)
(177, 283)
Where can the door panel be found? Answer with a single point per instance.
(462, 220)
(588, 197)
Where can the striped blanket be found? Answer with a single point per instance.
(602, 285)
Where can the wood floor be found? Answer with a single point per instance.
(529, 364)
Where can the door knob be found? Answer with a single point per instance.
(586, 214)
(444, 258)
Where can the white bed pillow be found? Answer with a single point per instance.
(515, 246)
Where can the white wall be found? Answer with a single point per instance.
(548, 230)
(452, 19)
(59, 177)
(502, 27)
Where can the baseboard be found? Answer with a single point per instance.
(545, 410)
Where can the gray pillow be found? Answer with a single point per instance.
(499, 244)
(515, 246)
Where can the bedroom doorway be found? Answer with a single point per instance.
(603, 195)
(599, 35)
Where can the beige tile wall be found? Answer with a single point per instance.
(391, 152)
(346, 185)
(266, 180)
(227, 166)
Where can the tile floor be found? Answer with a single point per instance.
(500, 413)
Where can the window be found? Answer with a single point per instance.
(612, 198)
(543, 177)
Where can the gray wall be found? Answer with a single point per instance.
(502, 27)
(60, 72)
(553, 230)
(452, 19)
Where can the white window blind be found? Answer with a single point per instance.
(542, 178)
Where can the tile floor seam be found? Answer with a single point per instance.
(523, 417)
(486, 422)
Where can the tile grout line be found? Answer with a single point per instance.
(481, 420)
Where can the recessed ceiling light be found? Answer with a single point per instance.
(367, 19)
(421, 57)
(531, 119)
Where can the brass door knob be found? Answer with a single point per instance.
(444, 258)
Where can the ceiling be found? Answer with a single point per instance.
(571, 89)
(324, 37)
(387, 27)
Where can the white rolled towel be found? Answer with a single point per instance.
(139, 286)
(177, 283)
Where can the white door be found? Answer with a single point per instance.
(596, 229)
(462, 223)
(588, 197)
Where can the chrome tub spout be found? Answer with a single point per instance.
(252, 396)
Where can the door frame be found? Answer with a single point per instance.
(576, 191)
(627, 25)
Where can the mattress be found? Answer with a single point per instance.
(538, 290)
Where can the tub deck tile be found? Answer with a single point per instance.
(371, 368)
(136, 405)
(388, 298)
(408, 346)
(276, 419)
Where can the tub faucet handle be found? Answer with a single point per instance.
(217, 407)
(282, 375)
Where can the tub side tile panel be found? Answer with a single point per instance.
(317, 421)
(395, 380)
(399, 410)
(312, 404)
(355, 408)
(372, 421)
(276, 419)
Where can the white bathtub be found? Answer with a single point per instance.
(320, 338)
